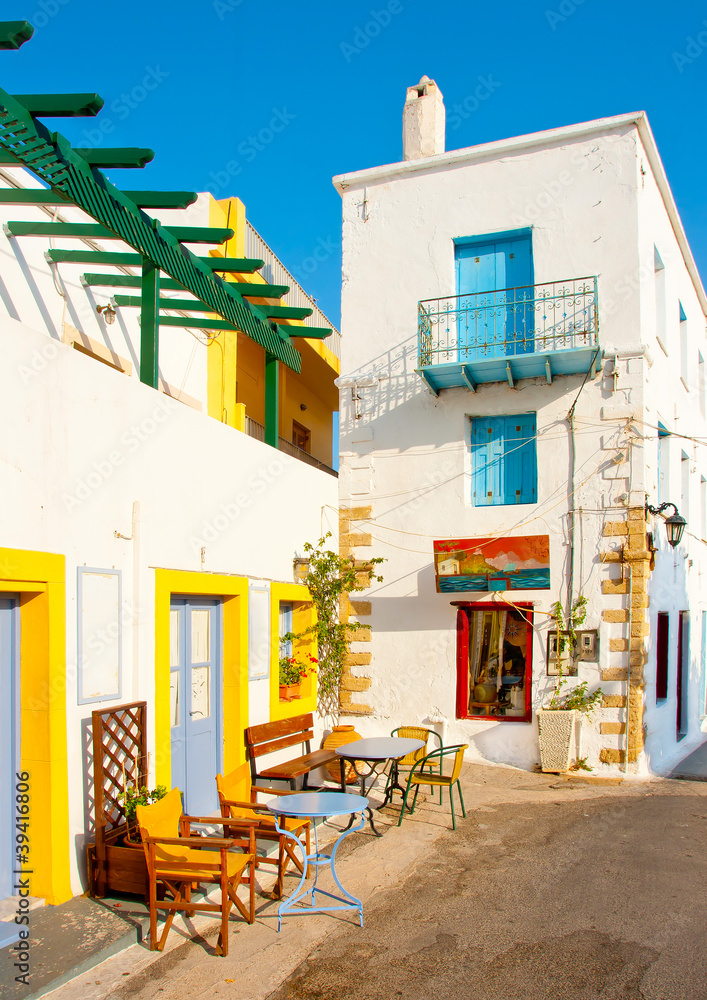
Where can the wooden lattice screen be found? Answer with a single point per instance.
(119, 759)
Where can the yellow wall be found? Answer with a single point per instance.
(303, 616)
(236, 364)
(40, 580)
(234, 593)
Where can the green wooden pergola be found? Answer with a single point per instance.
(72, 176)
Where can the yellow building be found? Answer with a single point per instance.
(307, 399)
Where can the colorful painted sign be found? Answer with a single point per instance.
(520, 562)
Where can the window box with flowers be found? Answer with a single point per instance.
(293, 670)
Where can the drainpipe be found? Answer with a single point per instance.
(628, 667)
(570, 515)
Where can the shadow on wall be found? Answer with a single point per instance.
(515, 743)
(89, 811)
(399, 385)
(413, 614)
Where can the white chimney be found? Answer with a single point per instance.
(423, 120)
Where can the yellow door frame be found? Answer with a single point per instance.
(40, 580)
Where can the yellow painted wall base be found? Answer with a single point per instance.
(40, 580)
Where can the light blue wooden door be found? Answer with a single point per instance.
(9, 746)
(195, 701)
(494, 279)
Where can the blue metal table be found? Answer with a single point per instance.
(373, 752)
(319, 805)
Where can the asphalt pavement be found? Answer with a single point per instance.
(570, 888)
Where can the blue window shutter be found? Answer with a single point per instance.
(487, 444)
(481, 460)
(521, 461)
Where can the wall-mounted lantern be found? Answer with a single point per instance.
(300, 568)
(107, 312)
(674, 525)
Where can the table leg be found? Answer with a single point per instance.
(362, 776)
(393, 786)
(319, 860)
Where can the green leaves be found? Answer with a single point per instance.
(330, 578)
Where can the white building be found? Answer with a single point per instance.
(535, 322)
(148, 532)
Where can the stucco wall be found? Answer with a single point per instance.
(408, 455)
(84, 450)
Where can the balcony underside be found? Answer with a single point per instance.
(510, 368)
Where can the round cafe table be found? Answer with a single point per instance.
(319, 805)
(372, 753)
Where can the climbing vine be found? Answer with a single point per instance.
(329, 578)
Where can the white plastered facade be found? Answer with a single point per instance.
(597, 202)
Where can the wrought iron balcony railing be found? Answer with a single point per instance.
(510, 322)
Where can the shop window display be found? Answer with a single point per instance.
(494, 662)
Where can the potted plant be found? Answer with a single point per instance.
(292, 673)
(557, 719)
(133, 797)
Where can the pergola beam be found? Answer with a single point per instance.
(51, 158)
(61, 105)
(287, 312)
(95, 231)
(233, 265)
(135, 302)
(127, 157)
(196, 323)
(31, 196)
(13, 34)
(119, 258)
(128, 281)
(259, 291)
(312, 332)
(162, 199)
(127, 258)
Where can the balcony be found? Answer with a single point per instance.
(255, 430)
(509, 334)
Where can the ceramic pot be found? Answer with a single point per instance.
(339, 737)
(485, 692)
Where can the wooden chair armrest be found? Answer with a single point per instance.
(213, 842)
(273, 791)
(221, 820)
(243, 805)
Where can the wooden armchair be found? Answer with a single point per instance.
(232, 808)
(176, 860)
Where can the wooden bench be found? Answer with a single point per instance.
(272, 736)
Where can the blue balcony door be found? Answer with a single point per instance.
(494, 282)
(9, 745)
(195, 701)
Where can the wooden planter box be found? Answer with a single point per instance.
(119, 868)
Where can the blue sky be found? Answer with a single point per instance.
(202, 83)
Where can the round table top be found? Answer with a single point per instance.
(379, 748)
(317, 804)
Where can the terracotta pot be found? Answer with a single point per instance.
(339, 737)
(290, 692)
